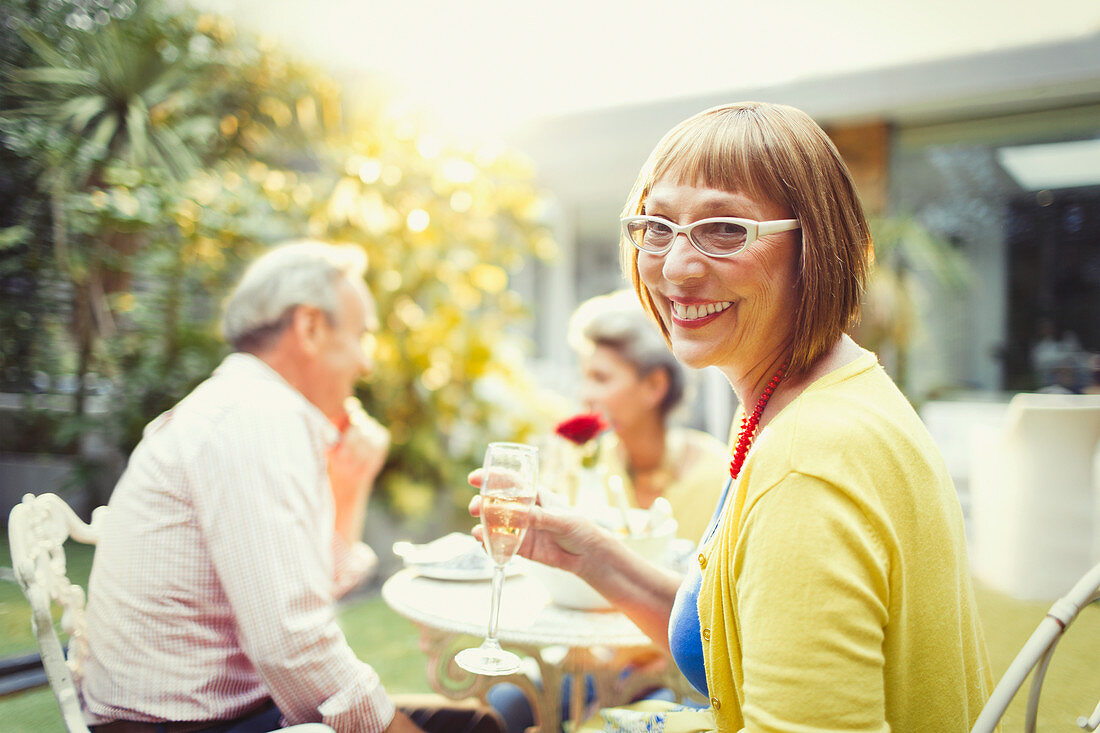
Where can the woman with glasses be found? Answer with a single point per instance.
(831, 590)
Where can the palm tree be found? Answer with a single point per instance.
(126, 92)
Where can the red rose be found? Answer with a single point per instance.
(582, 428)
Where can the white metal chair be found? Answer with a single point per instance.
(1036, 654)
(37, 530)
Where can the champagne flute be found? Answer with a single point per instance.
(508, 487)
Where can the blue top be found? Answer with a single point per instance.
(685, 640)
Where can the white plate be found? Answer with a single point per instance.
(465, 570)
(455, 556)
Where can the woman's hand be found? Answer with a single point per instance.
(562, 539)
(567, 540)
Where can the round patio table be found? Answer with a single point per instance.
(560, 641)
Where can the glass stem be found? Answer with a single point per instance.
(494, 603)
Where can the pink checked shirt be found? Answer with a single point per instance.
(215, 582)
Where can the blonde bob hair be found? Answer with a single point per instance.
(776, 153)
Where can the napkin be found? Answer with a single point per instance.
(443, 549)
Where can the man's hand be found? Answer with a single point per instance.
(353, 464)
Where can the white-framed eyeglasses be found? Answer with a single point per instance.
(720, 236)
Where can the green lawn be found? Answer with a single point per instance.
(391, 645)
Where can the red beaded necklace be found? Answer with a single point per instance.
(750, 422)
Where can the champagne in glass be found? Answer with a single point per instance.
(505, 520)
(508, 488)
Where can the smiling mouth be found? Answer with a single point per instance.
(697, 312)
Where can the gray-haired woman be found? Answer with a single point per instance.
(629, 375)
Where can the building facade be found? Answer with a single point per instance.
(994, 157)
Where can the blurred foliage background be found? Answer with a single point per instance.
(147, 152)
(908, 257)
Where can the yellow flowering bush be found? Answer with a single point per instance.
(272, 152)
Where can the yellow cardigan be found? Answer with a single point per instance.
(836, 594)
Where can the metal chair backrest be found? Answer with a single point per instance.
(37, 530)
(1036, 655)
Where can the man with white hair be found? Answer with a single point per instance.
(237, 525)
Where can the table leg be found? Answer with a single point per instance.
(612, 686)
(582, 663)
(546, 703)
(444, 676)
(619, 680)
(450, 680)
(578, 699)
